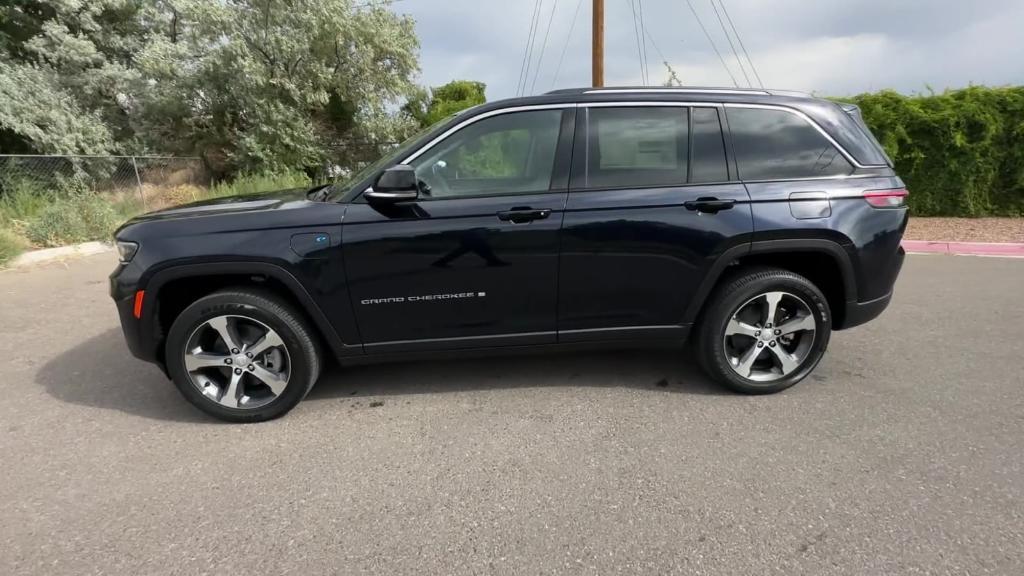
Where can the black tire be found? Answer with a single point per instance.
(736, 290)
(299, 340)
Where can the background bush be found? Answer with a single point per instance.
(10, 245)
(79, 218)
(961, 153)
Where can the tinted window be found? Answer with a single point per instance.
(506, 154)
(642, 146)
(778, 145)
(708, 156)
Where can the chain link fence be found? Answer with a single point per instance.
(151, 181)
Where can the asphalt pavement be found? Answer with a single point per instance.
(902, 454)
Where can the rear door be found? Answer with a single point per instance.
(653, 203)
(474, 261)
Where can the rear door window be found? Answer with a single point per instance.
(778, 145)
(637, 147)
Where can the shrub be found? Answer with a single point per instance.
(22, 202)
(256, 183)
(961, 153)
(76, 219)
(10, 245)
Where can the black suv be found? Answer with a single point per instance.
(758, 220)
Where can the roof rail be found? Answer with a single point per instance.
(675, 90)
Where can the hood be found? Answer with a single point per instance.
(229, 204)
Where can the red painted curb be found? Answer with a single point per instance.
(965, 248)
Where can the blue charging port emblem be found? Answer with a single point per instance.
(311, 244)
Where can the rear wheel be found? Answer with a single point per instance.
(764, 331)
(242, 356)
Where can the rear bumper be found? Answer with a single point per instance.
(858, 313)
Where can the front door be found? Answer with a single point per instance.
(474, 261)
(653, 204)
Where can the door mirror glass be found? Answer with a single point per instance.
(396, 184)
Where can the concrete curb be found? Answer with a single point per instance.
(1010, 249)
(62, 253)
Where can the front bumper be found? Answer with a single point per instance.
(137, 331)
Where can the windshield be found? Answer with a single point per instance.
(387, 159)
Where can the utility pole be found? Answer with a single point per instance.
(597, 48)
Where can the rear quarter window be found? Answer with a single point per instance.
(778, 145)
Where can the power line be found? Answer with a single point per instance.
(712, 42)
(543, 45)
(740, 40)
(643, 39)
(524, 68)
(731, 45)
(636, 35)
(565, 47)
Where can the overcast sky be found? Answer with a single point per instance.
(830, 47)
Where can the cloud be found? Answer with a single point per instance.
(822, 46)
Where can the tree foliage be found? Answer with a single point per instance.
(277, 84)
(251, 85)
(961, 153)
(79, 56)
(442, 101)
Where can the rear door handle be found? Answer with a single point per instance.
(520, 215)
(708, 205)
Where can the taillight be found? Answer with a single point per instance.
(893, 198)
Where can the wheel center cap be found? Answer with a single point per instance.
(241, 360)
(767, 335)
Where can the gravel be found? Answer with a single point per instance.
(966, 229)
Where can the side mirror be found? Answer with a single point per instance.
(396, 184)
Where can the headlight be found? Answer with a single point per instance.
(126, 250)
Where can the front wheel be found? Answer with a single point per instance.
(764, 331)
(242, 356)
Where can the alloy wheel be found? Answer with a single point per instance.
(770, 336)
(237, 361)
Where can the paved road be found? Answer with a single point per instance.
(904, 454)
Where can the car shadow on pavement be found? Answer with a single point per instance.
(657, 370)
(101, 373)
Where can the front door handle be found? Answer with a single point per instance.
(708, 205)
(521, 215)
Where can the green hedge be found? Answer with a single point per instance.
(961, 153)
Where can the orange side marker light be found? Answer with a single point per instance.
(138, 303)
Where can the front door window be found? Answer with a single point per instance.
(510, 153)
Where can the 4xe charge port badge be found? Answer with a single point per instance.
(424, 298)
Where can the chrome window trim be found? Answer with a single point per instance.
(846, 154)
(628, 104)
(813, 178)
(511, 110)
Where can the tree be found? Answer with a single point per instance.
(443, 101)
(275, 84)
(673, 78)
(69, 67)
